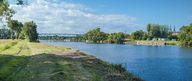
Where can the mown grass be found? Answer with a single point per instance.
(7, 45)
(26, 61)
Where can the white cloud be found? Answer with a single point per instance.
(63, 17)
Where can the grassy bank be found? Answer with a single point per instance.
(131, 42)
(24, 61)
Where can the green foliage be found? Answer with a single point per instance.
(3, 7)
(9, 14)
(153, 31)
(157, 31)
(15, 26)
(149, 29)
(170, 37)
(117, 38)
(118, 67)
(30, 31)
(138, 35)
(5, 10)
(185, 36)
(95, 36)
(5, 34)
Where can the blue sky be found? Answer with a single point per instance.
(169, 12)
(175, 12)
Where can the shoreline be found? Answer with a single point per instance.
(158, 43)
(142, 43)
(50, 63)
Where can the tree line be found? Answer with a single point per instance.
(98, 36)
(154, 31)
(163, 31)
(16, 29)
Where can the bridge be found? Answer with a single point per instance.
(59, 34)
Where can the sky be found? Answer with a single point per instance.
(80, 16)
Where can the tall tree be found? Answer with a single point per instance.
(149, 29)
(158, 31)
(5, 10)
(3, 6)
(9, 14)
(15, 26)
(30, 31)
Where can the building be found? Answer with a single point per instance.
(160, 39)
(175, 33)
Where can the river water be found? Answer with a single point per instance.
(151, 63)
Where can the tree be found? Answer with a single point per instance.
(3, 6)
(30, 31)
(164, 31)
(149, 29)
(8, 14)
(138, 35)
(157, 31)
(145, 36)
(5, 34)
(16, 27)
(95, 36)
(185, 36)
(5, 10)
(117, 38)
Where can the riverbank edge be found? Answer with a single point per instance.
(73, 54)
(116, 66)
(157, 43)
(135, 42)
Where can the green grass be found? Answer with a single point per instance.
(7, 45)
(131, 42)
(24, 61)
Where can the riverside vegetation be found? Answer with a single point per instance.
(184, 37)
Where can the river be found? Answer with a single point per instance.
(151, 63)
